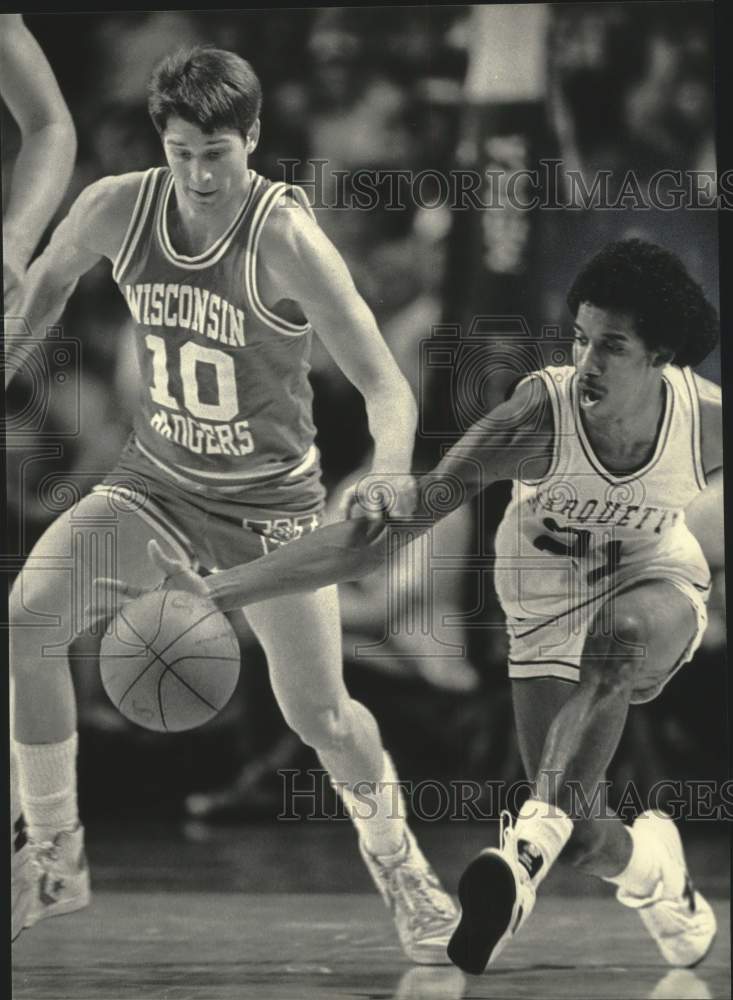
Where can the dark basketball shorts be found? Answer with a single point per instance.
(216, 531)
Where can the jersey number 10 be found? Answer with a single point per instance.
(190, 356)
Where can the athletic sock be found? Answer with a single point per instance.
(379, 813)
(641, 875)
(541, 831)
(48, 786)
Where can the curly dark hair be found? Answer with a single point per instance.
(652, 285)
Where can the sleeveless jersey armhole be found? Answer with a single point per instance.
(136, 225)
(300, 196)
(554, 399)
(261, 213)
(696, 427)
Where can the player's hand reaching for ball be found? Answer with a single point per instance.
(110, 594)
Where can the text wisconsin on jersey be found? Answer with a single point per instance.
(188, 308)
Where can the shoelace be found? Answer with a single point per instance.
(420, 904)
(506, 828)
(44, 856)
(45, 850)
(423, 902)
(508, 843)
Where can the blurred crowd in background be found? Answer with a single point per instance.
(627, 87)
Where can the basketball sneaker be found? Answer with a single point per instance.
(21, 884)
(423, 913)
(59, 875)
(497, 896)
(679, 919)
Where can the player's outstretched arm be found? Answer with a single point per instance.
(343, 551)
(93, 229)
(305, 267)
(515, 439)
(43, 168)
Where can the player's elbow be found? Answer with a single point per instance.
(52, 137)
(63, 144)
(386, 382)
(64, 133)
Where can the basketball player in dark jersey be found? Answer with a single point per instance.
(226, 276)
(41, 173)
(602, 571)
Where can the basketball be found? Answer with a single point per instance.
(169, 661)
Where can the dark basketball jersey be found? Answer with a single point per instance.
(226, 400)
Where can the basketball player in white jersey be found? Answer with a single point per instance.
(226, 276)
(41, 173)
(613, 459)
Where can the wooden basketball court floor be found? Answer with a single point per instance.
(286, 912)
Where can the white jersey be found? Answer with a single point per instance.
(581, 530)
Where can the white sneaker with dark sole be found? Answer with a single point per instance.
(496, 896)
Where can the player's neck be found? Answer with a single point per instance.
(194, 229)
(624, 433)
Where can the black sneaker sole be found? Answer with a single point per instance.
(487, 893)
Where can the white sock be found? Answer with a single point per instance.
(541, 832)
(378, 811)
(48, 786)
(642, 873)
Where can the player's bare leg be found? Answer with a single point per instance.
(301, 636)
(599, 843)
(92, 539)
(580, 738)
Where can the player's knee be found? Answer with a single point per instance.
(325, 728)
(620, 635)
(22, 599)
(629, 632)
(612, 660)
(34, 613)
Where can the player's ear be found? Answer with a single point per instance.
(662, 356)
(253, 136)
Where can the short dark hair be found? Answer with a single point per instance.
(208, 87)
(669, 308)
